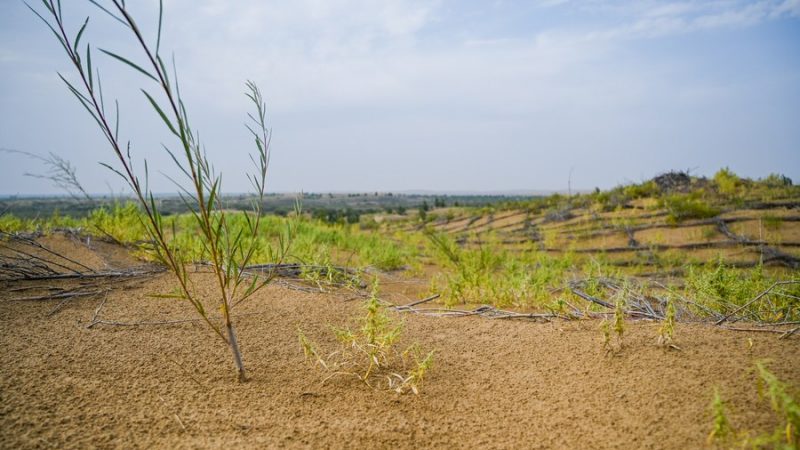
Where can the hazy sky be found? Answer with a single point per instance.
(447, 95)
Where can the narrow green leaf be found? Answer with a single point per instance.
(175, 160)
(89, 67)
(75, 91)
(161, 113)
(78, 37)
(46, 5)
(164, 73)
(55, 33)
(212, 195)
(100, 91)
(107, 166)
(130, 63)
(160, 18)
(85, 103)
(94, 2)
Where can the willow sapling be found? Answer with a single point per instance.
(229, 247)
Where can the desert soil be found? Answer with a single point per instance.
(495, 384)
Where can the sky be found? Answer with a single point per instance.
(448, 95)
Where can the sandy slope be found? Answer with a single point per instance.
(495, 384)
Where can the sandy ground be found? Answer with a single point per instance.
(495, 384)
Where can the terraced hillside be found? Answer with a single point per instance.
(667, 222)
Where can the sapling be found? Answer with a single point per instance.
(616, 326)
(228, 245)
(721, 429)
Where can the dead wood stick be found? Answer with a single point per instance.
(62, 276)
(97, 312)
(31, 288)
(68, 295)
(577, 311)
(755, 330)
(589, 298)
(418, 302)
(35, 244)
(58, 306)
(512, 315)
(756, 298)
(686, 300)
(40, 258)
(789, 333)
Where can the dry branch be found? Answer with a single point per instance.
(487, 311)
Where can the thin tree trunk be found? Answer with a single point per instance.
(237, 355)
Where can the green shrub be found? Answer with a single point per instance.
(725, 289)
(775, 180)
(643, 190)
(682, 207)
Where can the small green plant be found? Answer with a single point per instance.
(613, 330)
(370, 351)
(310, 350)
(787, 434)
(605, 328)
(413, 379)
(721, 430)
(666, 332)
(619, 320)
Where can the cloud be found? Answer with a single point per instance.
(657, 19)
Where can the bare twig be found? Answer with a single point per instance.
(789, 333)
(64, 295)
(97, 312)
(418, 302)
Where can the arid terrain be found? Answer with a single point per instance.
(495, 383)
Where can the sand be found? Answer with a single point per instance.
(495, 384)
